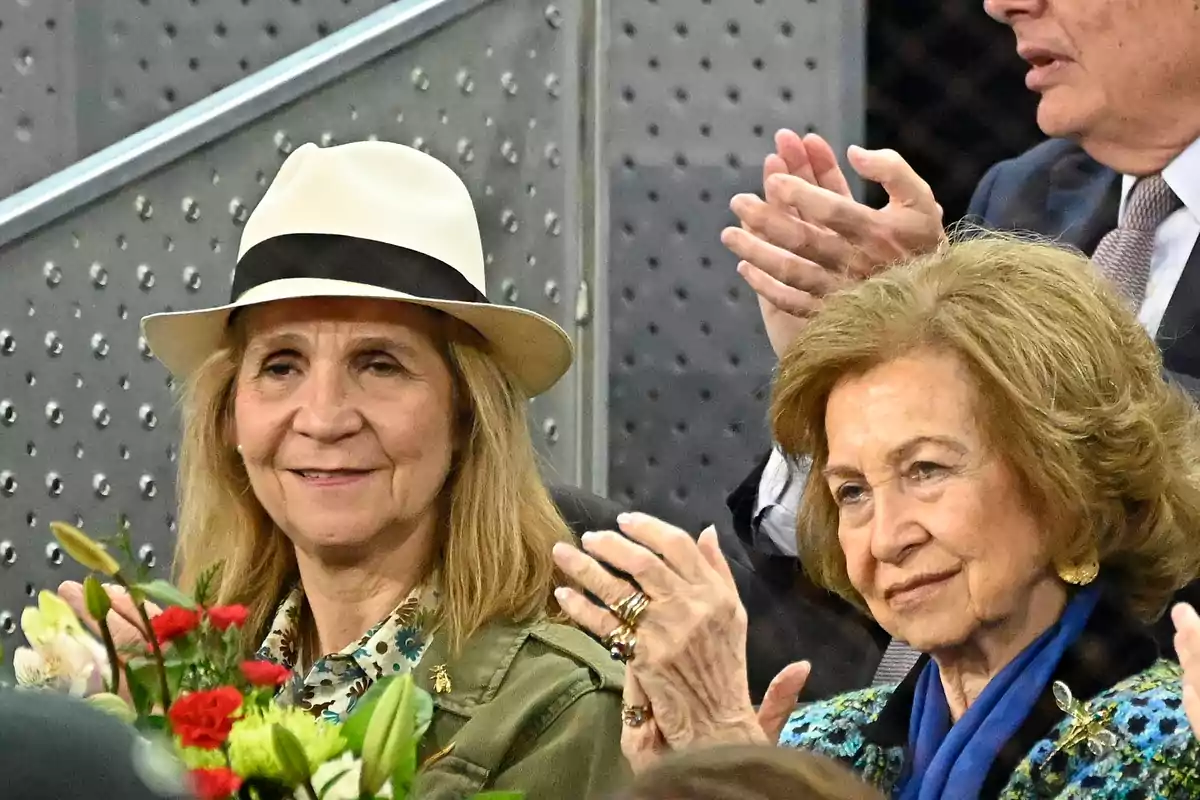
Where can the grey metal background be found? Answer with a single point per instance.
(698, 89)
(87, 429)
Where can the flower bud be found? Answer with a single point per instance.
(85, 551)
(98, 602)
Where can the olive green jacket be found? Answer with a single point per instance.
(534, 708)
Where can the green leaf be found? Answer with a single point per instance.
(165, 593)
(141, 693)
(322, 791)
(389, 749)
(291, 755)
(204, 584)
(354, 729)
(424, 712)
(152, 723)
(97, 600)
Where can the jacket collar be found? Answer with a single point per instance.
(1113, 646)
(476, 672)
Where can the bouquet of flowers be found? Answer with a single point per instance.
(186, 685)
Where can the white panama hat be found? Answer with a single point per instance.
(367, 219)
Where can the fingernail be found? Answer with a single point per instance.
(590, 536)
(561, 594)
(624, 518)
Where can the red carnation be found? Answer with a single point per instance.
(215, 783)
(264, 673)
(225, 617)
(203, 719)
(174, 622)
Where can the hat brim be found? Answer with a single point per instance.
(535, 350)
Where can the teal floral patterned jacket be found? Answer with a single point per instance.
(1128, 738)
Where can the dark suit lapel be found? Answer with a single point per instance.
(1083, 199)
(1179, 333)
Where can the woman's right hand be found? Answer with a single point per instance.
(1187, 648)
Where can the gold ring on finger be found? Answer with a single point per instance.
(635, 716)
(630, 609)
(621, 644)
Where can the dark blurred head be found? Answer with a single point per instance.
(748, 772)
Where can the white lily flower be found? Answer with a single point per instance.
(338, 779)
(62, 655)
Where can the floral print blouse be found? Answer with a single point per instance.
(336, 681)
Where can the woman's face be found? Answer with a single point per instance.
(937, 534)
(343, 409)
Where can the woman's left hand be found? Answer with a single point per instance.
(690, 650)
(1187, 648)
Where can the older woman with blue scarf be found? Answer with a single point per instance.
(1004, 480)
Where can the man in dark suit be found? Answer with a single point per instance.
(1119, 179)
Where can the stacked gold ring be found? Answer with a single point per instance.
(635, 716)
(622, 642)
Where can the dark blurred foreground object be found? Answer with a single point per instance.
(748, 772)
(54, 747)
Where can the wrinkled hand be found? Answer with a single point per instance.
(643, 745)
(690, 656)
(780, 700)
(811, 237)
(1187, 647)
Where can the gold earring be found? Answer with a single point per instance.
(1081, 573)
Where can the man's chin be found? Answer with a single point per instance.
(1060, 115)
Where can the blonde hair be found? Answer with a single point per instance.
(501, 523)
(1070, 393)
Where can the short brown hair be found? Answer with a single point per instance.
(748, 772)
(1070, 392)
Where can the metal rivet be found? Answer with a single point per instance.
(54, 554)
(191, 209)
(148, 486)
(420, 80)
(8, 623)
(7, 343)
(508, 289)
(552, 292)
(554, 16)
(553, 155)
(550, 429)
(8, 553)
(52, 274)
(99, 275)
(328, 139)
(124, 452)
(509, 221)
(238, 211)
(148, 417)
(553, 223)
(8, 483)
(509, 83)
(282, 143)
(100, 485)
(54, 484)
(191, 279)
(54, 414)
(8, 412)
(99, 345)
(30, 590)
(78, 380)
(143, 207)
(465, 82)
(79, 450)
(553, 85)
(419, 143)
(466, 151)
(144, 349)
(31, 519)
(30, 449)
(509, 151)
(146, 556)
(145, 277)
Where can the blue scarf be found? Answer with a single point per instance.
(951, 761)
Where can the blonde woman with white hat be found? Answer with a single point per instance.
(356, 452)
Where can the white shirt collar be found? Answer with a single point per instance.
(1182, 175)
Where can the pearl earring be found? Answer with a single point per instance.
(238, 449)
